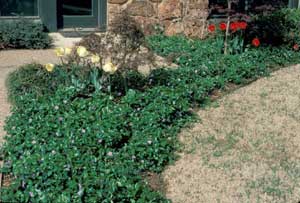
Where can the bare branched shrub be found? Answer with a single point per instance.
(122, 44)
(129, 30)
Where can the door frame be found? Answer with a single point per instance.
(49, 15)
(83, 21)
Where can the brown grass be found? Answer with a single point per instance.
(246, 148)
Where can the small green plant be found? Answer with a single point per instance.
(23, 33)
(230, 35)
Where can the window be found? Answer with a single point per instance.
(219, 7)
(261, 5)
(18, 7)
(77, 7)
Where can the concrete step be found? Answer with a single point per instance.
(60, 40)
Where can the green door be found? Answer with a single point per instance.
(78, 13)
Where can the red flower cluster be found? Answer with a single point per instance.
(256, 42)
(296, 47)
(239, 25)
(234, 26)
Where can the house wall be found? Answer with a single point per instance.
(186, 17)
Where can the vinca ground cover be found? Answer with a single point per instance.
(70, 143)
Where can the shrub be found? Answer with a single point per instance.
(293, 17)
(23, 33)
(129, 29)
(124, 44)
(276, 28)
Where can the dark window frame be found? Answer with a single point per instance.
(47, 10)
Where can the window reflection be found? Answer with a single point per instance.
(219, 7)
(77, 7)
(18, 7)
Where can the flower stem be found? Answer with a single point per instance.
(227, 29)
(109, 87)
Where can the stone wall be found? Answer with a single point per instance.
(186, 17)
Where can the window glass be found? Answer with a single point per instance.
(219, 7)
(77, 7)
(18, 7)
(261, 5)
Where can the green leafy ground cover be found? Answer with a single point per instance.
(74, 144)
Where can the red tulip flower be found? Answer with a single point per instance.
(234, 26)
(243, 25)
(296, 47)
(211, 28)
(256, 42)
(223, 26)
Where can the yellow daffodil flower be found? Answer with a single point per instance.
(68, 51)
(60, 52)
(49, 67)
(95, 59)
(110, 68)
(82, 51)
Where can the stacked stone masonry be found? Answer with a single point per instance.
(186, 17)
